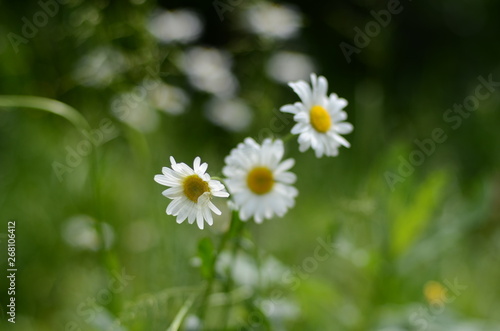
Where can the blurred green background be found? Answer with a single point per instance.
(414, 247)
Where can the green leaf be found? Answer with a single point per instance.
(411, 219)
(45, 104)
(179, 318)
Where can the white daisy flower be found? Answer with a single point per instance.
(320, 118)
(191, 191)
(258, 181)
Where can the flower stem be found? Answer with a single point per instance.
(181, 314)
(287, 138)
(220, 248)
(230, 282)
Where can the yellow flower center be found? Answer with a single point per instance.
(320, 119)
(260, 180)
(434, 292)
(194, 186)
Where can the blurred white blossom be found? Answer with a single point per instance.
(208, 69)
(289, 66)
(273, 20)
(80, 232)
(245, 272)
(168, 98)
(231, 114)
(278, 311)
(99, 67)
(132, 108)
(175, 26)
(192, 323)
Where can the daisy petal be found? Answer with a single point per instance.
(286, 177)
(163, 180)
(344, 128)
(196, 164)
(289, 109)
(214, 208)
(199, 219)
(173, 192)
(202, 168)
(284, 166)
(341, 140)
(299, 128)
(303, 91)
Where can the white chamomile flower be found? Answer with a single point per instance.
(191, 191)
(259, 182)
(320, 118)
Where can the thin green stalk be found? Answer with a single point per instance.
(220, 248)
(287, 138)
(76, 118)
(182, 314)
(234, 252)
(107, 257)
(45, 104)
